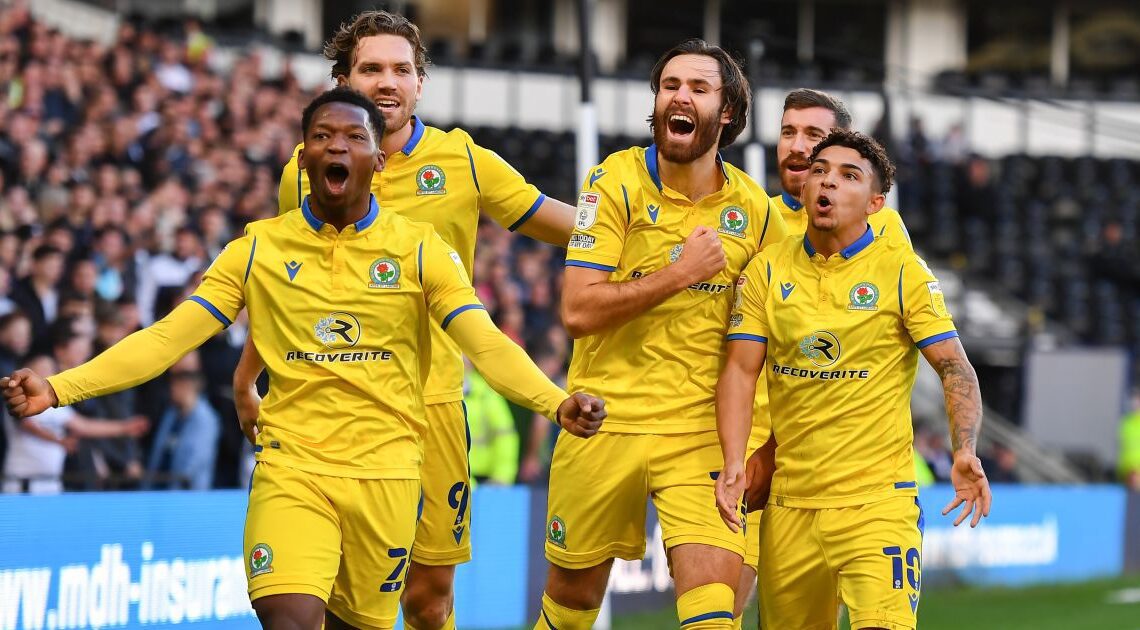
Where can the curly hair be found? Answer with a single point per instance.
(804, 98)
(867, 147)
(341, 47)
(736, 94)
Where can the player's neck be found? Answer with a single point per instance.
(830, 242)
(343, 216)
(397, 140)
(695, 180)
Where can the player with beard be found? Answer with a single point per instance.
(445, 179)
(836, 318)
(661, 234)
(809, 115)
(340, 296)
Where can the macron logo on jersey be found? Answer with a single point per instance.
(291, 268)
(596, 175)
(653, 210)
(786, 289)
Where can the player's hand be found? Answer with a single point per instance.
(759, 468)
(248, 404)
(970, 488)
(27, 394)
(702, 257)
(581, 414)
(730, 486)
(136, 426)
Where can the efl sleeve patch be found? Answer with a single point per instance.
(587, 213)
(937, 299)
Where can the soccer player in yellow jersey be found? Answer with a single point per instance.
(660, 236)
(836, 319)
(339, 296)
(445, 179)
(809, 115)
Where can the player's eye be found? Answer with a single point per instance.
(358, 136)
(787, 133)
(817, 170)
(320, 135)
(851, 176)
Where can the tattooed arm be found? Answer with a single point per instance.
(964, 407)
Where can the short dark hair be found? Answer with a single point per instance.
(805, 98)
(44, 251)
(735, 92)
(341, 47)
(870, 150)
(344, 94)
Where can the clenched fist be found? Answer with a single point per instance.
(581, 414)
(702, 257)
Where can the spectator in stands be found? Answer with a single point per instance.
(494, 448)
(1001, 465)
(38, 294)
(15, 341)
(1128, 466)
(120, 458)
(932, 446)
(39, 445)
(539, 441)
(186, 441)
(6, 303)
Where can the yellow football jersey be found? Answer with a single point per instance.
(886, 222)
(658, 372)
(842, 337)
(341, 320)
(441, 178)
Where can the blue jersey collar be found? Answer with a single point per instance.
(361, 225)
(847, 252)
(417, 134)
(790, 201)
(651, 165)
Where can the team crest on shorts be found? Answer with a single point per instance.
(556, 532)
(384, 273)
(430, 180)
(864, 297)
(733, 221)
(260, 560)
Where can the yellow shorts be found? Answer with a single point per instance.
(342, 539)
(443, 536)
(867, 555)
(599, 488)
(752, 539)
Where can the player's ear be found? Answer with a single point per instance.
(381, 158)
(341, 80)
(876, 204)
(301, 159)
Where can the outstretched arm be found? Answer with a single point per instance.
(136, 359)
(964, 408)
(509, 371)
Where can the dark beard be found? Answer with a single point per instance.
(787, 185)
(705, 137)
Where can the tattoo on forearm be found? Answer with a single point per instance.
(963, 399)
